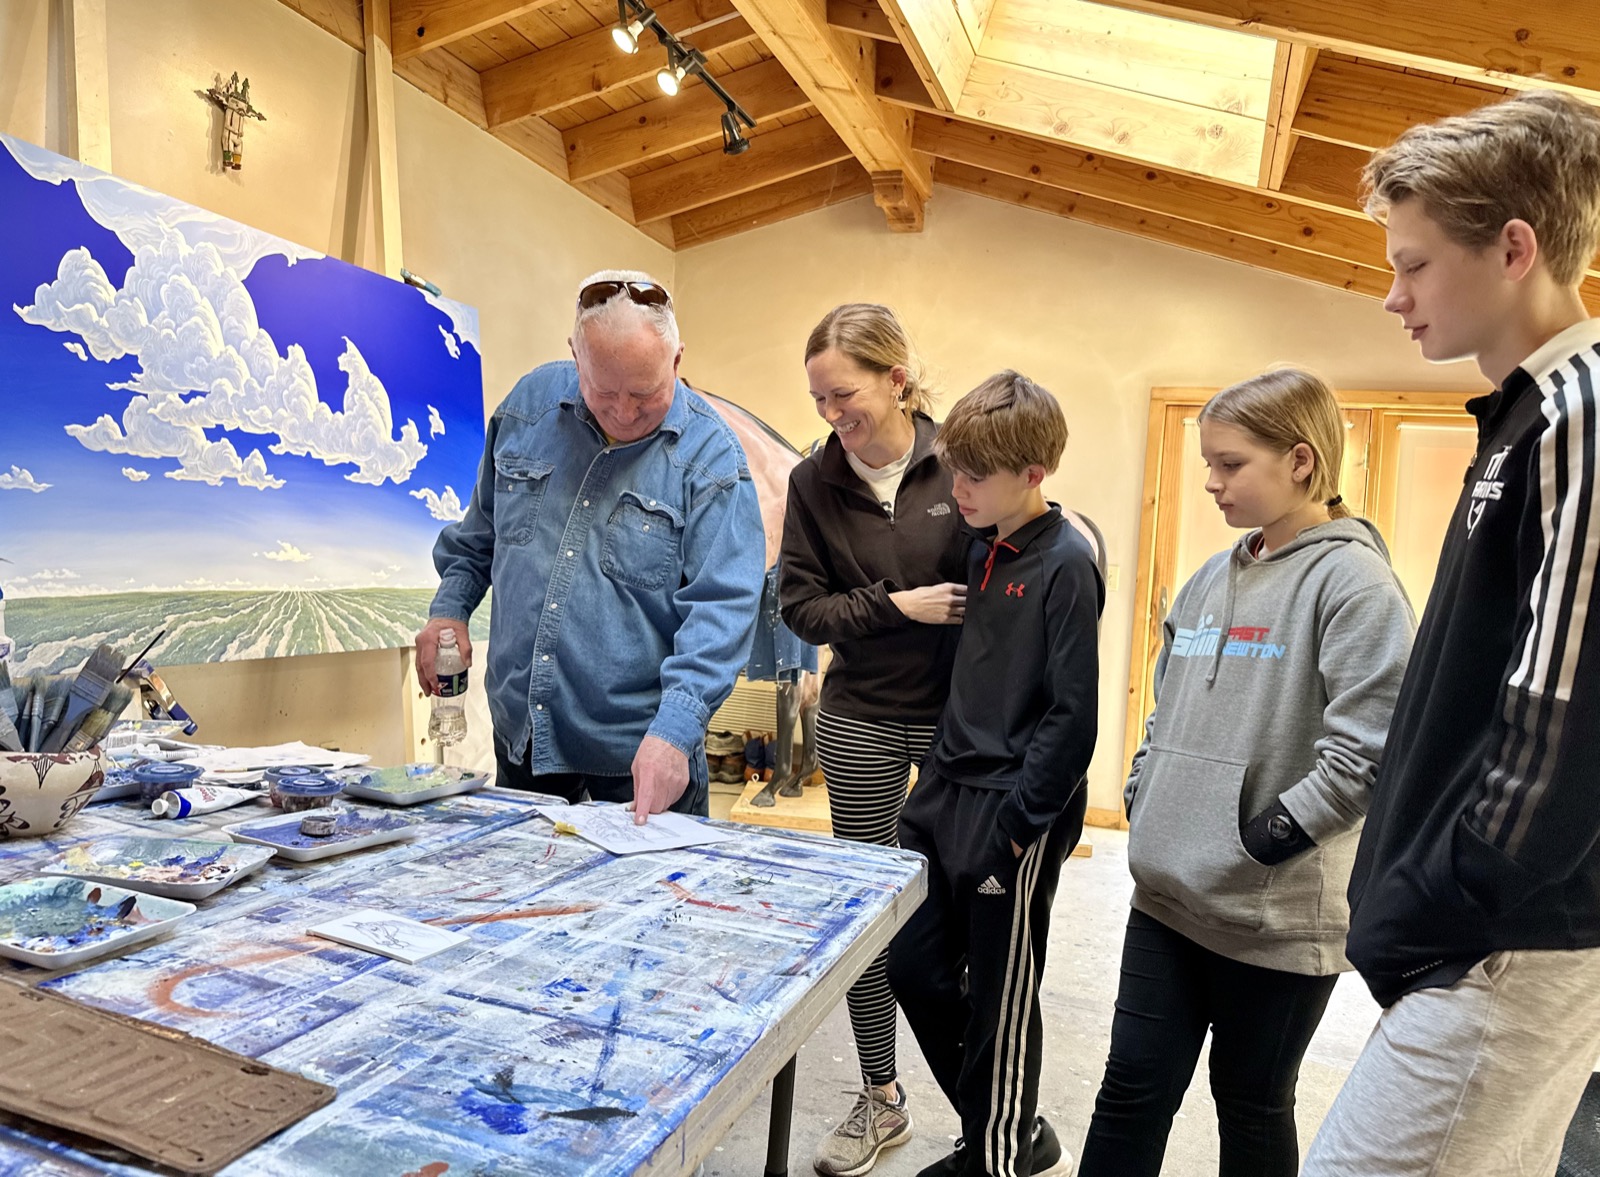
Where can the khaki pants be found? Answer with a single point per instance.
(1477, 1080)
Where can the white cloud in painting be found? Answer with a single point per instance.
(76, 349)
(386, 573)
(450, 344)
(133, 475)
(435, 422)
(463, 319)
(446, 506)
(53, 574)
(144, 435)
(192, 325)
(287, 552)
(20, 479)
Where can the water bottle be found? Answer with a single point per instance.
(448, 723)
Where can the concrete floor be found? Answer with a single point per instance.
(1080, 987)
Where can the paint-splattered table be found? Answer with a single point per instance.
(609, 1015)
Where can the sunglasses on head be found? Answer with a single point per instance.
(646, 294)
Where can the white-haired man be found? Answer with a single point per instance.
(615, 516)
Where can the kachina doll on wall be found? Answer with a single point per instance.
(234, 101)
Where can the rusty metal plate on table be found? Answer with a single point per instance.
(159, 1093)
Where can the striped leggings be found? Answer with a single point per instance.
(867, 764)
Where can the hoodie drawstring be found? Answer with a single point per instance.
(1227, 618)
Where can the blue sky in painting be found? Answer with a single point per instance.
(216, 333)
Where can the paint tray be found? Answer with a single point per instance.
(177, 868)
(356, 830)
(412, 784)
(60, 923)
(158, 1093)
(119, 784)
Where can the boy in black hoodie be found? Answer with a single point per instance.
(999, 802)
(1475, 898)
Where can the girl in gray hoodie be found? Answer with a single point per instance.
(1280, 665)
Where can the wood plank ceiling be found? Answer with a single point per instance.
(1232, 127)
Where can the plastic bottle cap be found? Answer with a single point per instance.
(159, 807)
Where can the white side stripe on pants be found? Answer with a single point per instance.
(1011, 1029)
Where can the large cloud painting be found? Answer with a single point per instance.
(211, 430)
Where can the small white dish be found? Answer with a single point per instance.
(356, 830)
(177, 868)
(59, 923)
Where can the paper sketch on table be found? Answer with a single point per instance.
(611, 828)
(387, 934)
(274, 756)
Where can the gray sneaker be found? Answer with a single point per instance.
(873, 1125)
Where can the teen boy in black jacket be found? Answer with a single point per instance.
(1000, 800)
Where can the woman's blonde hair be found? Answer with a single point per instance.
(1285, 408)
(872, 337)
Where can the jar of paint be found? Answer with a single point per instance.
(295, 794)
(160, 776)
(284, 772)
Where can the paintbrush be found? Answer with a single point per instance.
(88, 691)
(54, 692)
(139, 657)
(98, 722)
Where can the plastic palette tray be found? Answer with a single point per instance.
(60, 923)
(412, 784)
(177, 868)
(356, 831)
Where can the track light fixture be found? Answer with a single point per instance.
(632, 20)
(670, 76)
(733, 140)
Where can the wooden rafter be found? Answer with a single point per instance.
(1137, 186)
(1367, 106)
(650, 130)
(589, 65)
(835, 68)
(864, 17)
(771, 157)
(776, 202)
(1290, 71)
(1167, 230)
(1327, 173)
(1516, 41)
(420, 25)
(932, 33)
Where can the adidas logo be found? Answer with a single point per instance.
(991, 886)
(939, 509)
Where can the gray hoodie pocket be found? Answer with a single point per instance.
(1183, 840)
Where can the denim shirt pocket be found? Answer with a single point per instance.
(519, 486)
(643, 543)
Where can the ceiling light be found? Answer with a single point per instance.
(733, 140)
(631, 22)
(671, 76)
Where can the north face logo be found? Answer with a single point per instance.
(939, 509)
(1015, 590)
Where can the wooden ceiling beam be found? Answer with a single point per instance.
(420, 25)
(1367, 106)
(591, 64)
(1240, 209)
(771, 157)
(652, 129)
(863, 17)
(1325, 173)
(1221, 243)
(941, 50)
(835, 69)
(776, 202)
(1290, 71)
(1515, 42)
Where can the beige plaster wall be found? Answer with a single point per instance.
(1097, 317)
(490, 227)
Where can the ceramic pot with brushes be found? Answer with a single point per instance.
(41, 791)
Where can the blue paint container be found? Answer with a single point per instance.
(160, 776)
(310, 790)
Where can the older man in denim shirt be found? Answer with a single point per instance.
(615, 516)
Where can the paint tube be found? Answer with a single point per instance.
(200, 799)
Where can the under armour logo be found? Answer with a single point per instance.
(1015, 590)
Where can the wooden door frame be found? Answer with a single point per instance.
(1160, 448)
